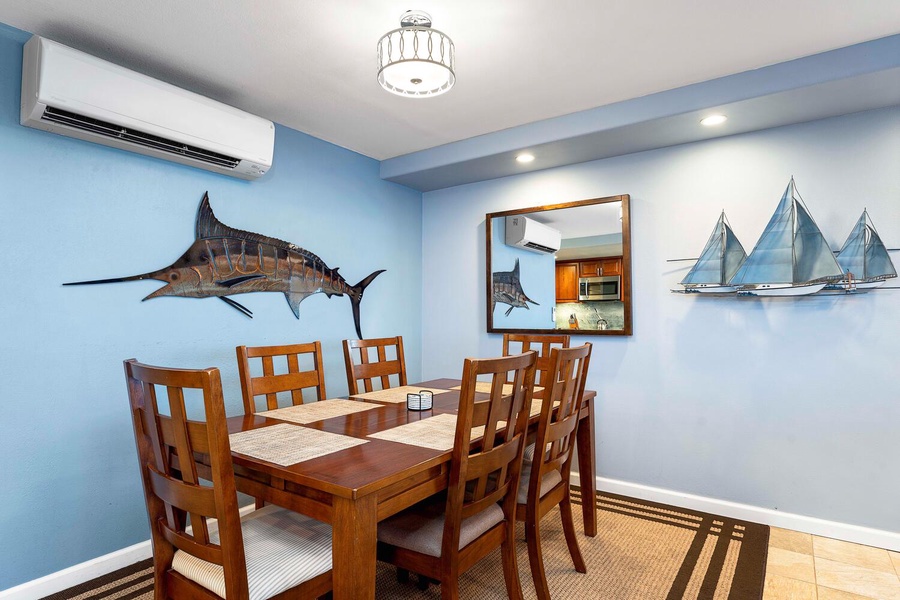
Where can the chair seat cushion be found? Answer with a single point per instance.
(282, 549)
(529, 453)
(421, 528)
(549, 481)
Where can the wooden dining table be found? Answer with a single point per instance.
(355, 488)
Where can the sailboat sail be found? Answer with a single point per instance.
(813, 258)
(721, 257)
(878, 262)
(864, 254)
(791, 250)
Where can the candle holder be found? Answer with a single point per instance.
(423, 400)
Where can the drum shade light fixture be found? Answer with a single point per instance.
(415, 60)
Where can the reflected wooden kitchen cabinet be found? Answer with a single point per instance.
(566, 282)
(601, 266)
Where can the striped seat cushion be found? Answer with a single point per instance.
(549, 481)
(282, 550)
(529, 453)
(421, 528)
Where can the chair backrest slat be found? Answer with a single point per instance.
(270, 383)
(517, 343)
(179, 491)
(361, 366)
(487, 471)
(555, 437)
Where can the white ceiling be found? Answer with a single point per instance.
(310, 64)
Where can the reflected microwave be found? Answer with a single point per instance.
(599, 288)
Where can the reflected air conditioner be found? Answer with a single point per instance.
(526, 233)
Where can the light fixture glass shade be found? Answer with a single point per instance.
(415, 60)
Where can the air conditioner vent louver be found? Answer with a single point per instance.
(540, 247)
(96, 126)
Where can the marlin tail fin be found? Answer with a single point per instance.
(356, 295)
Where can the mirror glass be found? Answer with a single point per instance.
(562, 268)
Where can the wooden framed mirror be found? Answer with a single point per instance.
(560, 268)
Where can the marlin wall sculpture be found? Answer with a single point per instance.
(508, 290)
(223, 262)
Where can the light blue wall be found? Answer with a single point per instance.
(73, 210)
(783, 404)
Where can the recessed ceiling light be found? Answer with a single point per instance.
(525, 158)
(713, 120)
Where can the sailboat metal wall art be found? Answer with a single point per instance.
(719, 261)
(791, 258)
(508, 290)
(224, 261)
(864, 258)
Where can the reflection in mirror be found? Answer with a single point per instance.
(560, 267)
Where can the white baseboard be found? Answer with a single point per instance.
(831, 529)
(61, 580)
(78, 574)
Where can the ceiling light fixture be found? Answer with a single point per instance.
(525, 158)
(713, 120)
(415, 60)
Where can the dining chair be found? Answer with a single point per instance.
(270, 553)
(544, 483)
(270, 384)
(516, 343)
(369, 368)
(444, 536)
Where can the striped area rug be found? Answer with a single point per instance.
(643, 551)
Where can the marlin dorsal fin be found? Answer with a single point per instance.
(208, 226)
(516, 269)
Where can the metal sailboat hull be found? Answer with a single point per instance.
(703, 288)
(783, 289)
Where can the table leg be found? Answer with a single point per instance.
(353, 547)
(586, 469)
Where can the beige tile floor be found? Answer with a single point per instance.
(807, 567)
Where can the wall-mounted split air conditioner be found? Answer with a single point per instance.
(526, 233)
(75, 94)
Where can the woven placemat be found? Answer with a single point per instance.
(396, 395)
(484, 387)
(317, 411)
(435, 432)
(287, 445)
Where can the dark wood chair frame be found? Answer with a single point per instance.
(554, 449)
(269, 384)
(367, 370)
(481, 475)
(173, 490)
(543, 344)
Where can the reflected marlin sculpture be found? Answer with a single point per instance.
(508, 290)
(224, 261)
